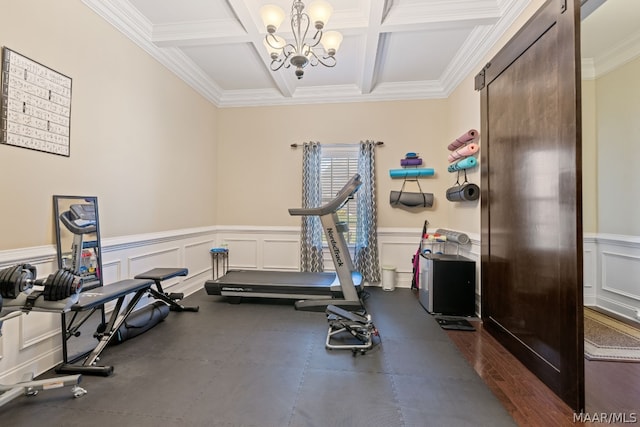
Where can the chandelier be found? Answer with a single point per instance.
(301, 52)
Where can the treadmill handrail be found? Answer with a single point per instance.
(75, 227)
(334, 204)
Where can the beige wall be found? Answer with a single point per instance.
(618, 127)
(261, 173)
(465, 115)
(141, 139)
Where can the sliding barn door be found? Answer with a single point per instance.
(531, 199)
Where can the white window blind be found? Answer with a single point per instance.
(339, 164)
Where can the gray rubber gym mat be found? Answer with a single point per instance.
(265, 364)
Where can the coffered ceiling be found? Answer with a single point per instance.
(392, 49)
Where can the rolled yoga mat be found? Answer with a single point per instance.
(141, 321)
(466, 151)
(463, 139)
(410, 173)
(454, 236)
(410, 162)
(411, 199)
(463, 193)
(466, 163)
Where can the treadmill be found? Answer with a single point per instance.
(314, 291)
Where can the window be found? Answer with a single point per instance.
(338, 165)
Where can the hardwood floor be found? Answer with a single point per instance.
(611, 387)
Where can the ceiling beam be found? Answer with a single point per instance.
(247, 19)
(205, 32)
(372, 43)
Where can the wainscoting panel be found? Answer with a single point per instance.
(243, 252)
(111, 271)
(590, 264)
(169, 257)
(36, 327)
(281, 254)
(198, 257)
(617, 288)
(620, 274)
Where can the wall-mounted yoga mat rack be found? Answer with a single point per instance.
(462, 157)
(463, 139)
(466, 151)
(466, 163)
(411, 173)
(463, 193)
(411, 162)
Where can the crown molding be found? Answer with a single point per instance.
(617, 56)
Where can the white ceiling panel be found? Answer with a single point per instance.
(392, 49)
(420, 55)
(232, 67)
(163, 12)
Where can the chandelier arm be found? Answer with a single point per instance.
(287, 54)
(317, 38)
(283, 59)
(297, 21)
(327, 61)
(278, 64)
(272, 36)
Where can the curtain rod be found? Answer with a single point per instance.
(294, 145)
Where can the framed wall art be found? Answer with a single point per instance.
(35, 111)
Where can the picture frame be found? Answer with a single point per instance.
(35, 107)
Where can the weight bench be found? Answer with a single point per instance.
(80, 307)
(344, 326)
(62, 294)
(158, 275)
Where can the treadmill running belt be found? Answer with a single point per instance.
(277, 277)
(273, 282)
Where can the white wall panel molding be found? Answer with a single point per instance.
(590, 266)
(243, 252)
(37, 327)
(281, 254)
(170, 257)
(198, 258)
(620, 274)
(120, 243)
(616, 270)
(34, 255)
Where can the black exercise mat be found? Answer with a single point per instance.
(455, 324)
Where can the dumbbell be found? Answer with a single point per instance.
(16, 279)
(57, 286)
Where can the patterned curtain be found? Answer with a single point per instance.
(311, 232)
(367, 261)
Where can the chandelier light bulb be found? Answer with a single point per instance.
(320, 11)
(272, 16)
(331, 41)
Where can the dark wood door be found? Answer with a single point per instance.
(531, 199)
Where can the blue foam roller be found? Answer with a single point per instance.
(466, 163)
(410, 173)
